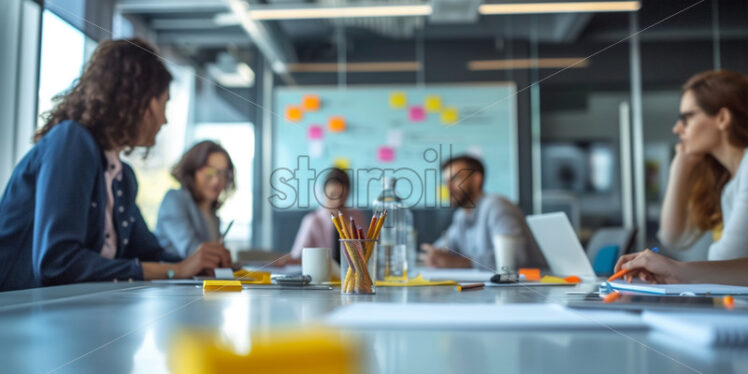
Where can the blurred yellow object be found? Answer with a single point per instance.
(222, 286)
(450, 116)
(552, 279)
(398, 100)
(418, 281)
(252, 277)
(341, 163)
(311, 351)
(444, 193)
(433, 103)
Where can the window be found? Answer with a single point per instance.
(238, 139)
(64, 52)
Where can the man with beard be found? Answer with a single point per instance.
(468, 242)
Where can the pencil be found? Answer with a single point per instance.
(361, 233)
(372, 225)
(225, 232)
(471, 286)
(617, 275)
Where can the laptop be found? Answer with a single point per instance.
(560, 246)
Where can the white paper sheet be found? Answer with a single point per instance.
(480, 317)
(703, 328)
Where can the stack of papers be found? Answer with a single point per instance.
(480, 317)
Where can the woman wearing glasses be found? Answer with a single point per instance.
(187, 218)
(708, 185)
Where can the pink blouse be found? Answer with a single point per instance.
(317, 230)
(113, 170)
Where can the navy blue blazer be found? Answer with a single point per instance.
(52, 216)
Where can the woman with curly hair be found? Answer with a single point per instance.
(68, 213)
(187, 217)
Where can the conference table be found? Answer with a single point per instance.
(127, 327)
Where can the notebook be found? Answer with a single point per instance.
(480, 317)
(678, 289)
(723, 329)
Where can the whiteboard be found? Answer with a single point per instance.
(382, 139)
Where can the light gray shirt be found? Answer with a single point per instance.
(734, 217)
(182, 226)
(471, 233)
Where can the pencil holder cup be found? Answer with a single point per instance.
(358, 266)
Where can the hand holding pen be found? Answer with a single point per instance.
(648, 266)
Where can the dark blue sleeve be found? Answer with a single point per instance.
(64, 189)
(144, 245)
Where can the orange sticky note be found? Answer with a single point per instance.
(311, 103)
(293, 113)
(530, 274)
(573, 279)
(336, 124)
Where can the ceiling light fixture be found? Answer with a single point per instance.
(560, 7)
(355, 67)
(541, 63)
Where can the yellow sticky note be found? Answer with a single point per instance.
(450, 115)
(293, 113)
(310, 103)
(222, 286)
(552, 279)
(341, 163)
(398, 100)
(306, 350)
(433, 103)
(443, 193)
(336, 124)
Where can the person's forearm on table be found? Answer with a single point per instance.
(733, 272)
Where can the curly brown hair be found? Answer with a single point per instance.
(713, 91)
(113, 93)
(194, 159)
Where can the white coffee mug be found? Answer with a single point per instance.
(315, 262)
(504, 247)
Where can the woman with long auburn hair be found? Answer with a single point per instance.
(708, 186)
(68, 212)
(705, 187)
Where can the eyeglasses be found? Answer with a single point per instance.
(212, 172)
(685, 116)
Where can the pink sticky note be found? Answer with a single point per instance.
(314, 132)
(417, 114)
(385, 154)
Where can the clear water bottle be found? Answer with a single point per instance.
(396, 236)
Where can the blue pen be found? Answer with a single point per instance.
(656, 250)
